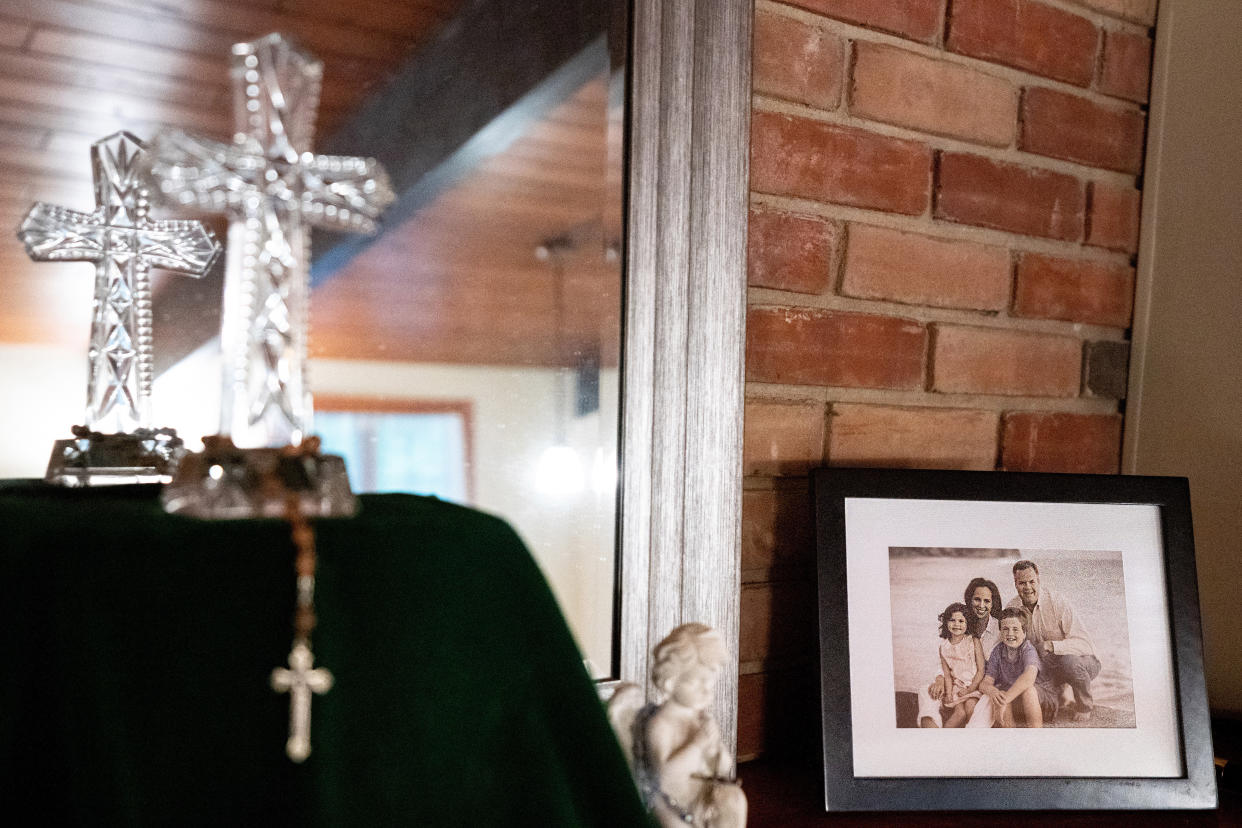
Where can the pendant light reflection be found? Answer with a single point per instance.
(560, 472)
(564, 471)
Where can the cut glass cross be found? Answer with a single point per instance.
(273, 188)
(124, 243)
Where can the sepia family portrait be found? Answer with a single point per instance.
(1034, 633)
(1001, 638)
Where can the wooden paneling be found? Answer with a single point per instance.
(96, 49)
(74, 71)
(77, 75)
(13, 35)
(153, 30)
(376, 15)
(460, 281)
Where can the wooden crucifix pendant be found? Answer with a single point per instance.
(300, 680)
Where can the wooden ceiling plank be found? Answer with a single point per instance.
(393, 17)
(554, 157)
(67, 145)
(30, 160)
(238, 22)
(129, 82)
(13, 34)
(503, 268)
(274, 5)
(20, 135)
(562, 214)
(122, 25)
(130, 111)
(592, 118)
(24, 113)
(92, 48)
(554, 175)
(24, 190)
(566, 135)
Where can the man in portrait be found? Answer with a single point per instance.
(1056, 630)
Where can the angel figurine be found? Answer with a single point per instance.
(683, 768)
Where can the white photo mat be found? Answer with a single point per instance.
(881, 750)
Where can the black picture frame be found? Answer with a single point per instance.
(1194, 788)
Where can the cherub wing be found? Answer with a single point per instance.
(622, 711)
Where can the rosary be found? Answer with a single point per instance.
(300, 679)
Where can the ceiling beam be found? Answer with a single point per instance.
(486, 76)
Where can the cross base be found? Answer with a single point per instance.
(94, 459)
(223, 482)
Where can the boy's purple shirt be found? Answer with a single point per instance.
(1005, 672)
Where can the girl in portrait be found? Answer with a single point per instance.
(961, 665)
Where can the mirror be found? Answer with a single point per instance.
(471, 351)
(684, 253)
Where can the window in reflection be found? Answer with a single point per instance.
(400, 451)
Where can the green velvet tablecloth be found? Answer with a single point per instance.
(136, 649)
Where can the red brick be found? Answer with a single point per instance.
(791, 252)
(1059, 442)
(819, 347)
(974, 190)
(778, 537)
(1126, 70)
(1076, 290)
(1067, 126)
(914, 19)
(909, 90)
(1113, 217)
(1026, 35)
(913, 438)
(798, 62)
(809, 159)
(782, 438)
(906, 267)
(1140, 11)
(996, 361)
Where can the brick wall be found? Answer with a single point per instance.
(944, 217)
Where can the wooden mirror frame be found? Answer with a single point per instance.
(682, 387)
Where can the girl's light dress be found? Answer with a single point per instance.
(961, 660)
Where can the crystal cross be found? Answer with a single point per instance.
(299, 681)
(273, 188)
(124, 244)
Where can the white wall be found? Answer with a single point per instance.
(44, 394)
(1184, 413)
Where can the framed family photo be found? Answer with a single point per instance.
(1004, 641)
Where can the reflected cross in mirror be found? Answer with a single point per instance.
(272, 187)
